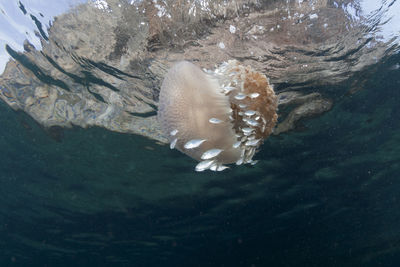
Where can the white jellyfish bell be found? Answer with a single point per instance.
(218, 117)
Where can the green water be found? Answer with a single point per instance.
(324, 196)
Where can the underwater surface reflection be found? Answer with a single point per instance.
(86, 180)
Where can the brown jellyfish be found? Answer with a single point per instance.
(216, 117)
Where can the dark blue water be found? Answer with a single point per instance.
(325, 196)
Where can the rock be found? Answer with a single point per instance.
(29, 101)
(41, 92)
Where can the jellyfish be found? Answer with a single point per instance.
(216, 117)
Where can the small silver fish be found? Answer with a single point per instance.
(228, 89)
(193, 143)
(217, 167)
(239, 162)
(250, 153)
(213, 167)
(252, 142)
(212, 153)
(173, 143)
(242, 105)
(249, 113)
(224, 64)
(207, 71)
(214, 120)
(204, 165)
(242, 153)
(173, 132)
(221, 168)
(240, 96)
(263, 120)
(237, 144)
(395, 67)
(247, 130)
(254, 95)
(252, 122)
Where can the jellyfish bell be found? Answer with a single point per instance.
(216, 117)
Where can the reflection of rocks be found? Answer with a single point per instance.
(306, 106)
(102, 68)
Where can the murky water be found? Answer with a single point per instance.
(324, 193)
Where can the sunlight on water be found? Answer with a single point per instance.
(25, 20)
